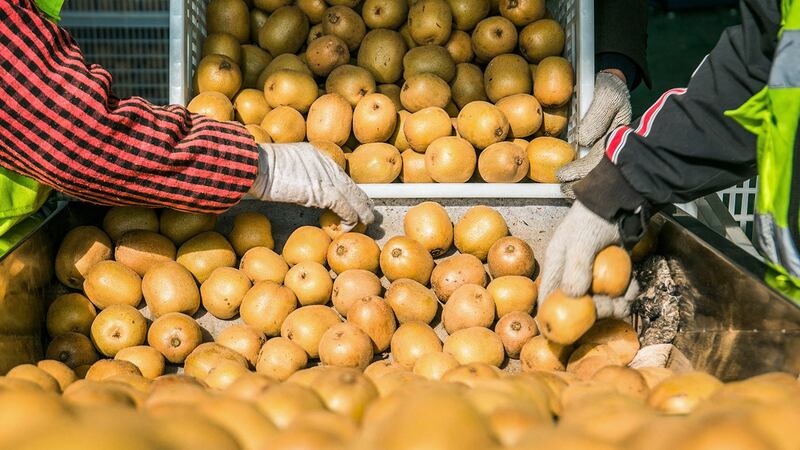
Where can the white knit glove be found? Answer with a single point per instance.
(610, 108)
(300, 174)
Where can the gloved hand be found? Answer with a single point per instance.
(300, 174)
(610, 108)
(570, 256)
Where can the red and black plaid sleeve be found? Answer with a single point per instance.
(61, 125)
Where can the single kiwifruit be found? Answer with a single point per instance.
(412, 341)
(331, 224)
(284, 402)
(459, 46)
(353, 251)
(170, 287)
(414, 170)
(433, 366)
(243, 339)
(503, 162)
(450, 159)
(398, 138)
(70, 312)
(522, 12)
(425, 126)
(554, 81)
(310, 282)
(424, 90)
(475, 344)
(175, 335)
(513, 293)
(345, 345)
(384, 13)
(393, 92)
(564, 319)
(204, 253)
(454, 272)
(468, 306)
(286, 61)
(181, 226)
(72, 349)
(493, 36)
(313, 9)
(618, 334)
(374, 118)
(279, 358)
(343, 22)
(107, 368)
(351, 82)
(332, 151)
(285, 124)
(479, 228)
(223, 291)
(207, 357)
(261, 263)
(430, 22)
(547, 155)
(149, 360)
(222, 44)
(290, 88)
(306, 325)
(515, 330)
(229, 16)
(306, 243)
(482, 124)
(284, 31)
(266, 305)
(375, 163)
(506, 75)
(118, 327)
(215, 105)
(58, 370)
(374, 316)
(433, 59)
(330, 118)
(467, 13)
(524, 114)
(325, 54)
(218, 73)
(112, 283)
(403, 257)
(250, 106)
(36, 375)
(611, 272)
(81, 249)
(680, 394)
(141, 250)
(411, 301)
(254, 61)
(381, 53)
(121, 219)
(541, 39)
(250, 229)
(351, 285)
(429, 224)
(468, 85)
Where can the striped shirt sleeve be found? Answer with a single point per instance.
(61, 124)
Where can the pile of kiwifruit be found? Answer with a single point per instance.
(445, 91)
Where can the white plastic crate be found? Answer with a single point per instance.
(187, 32)
(741, 203)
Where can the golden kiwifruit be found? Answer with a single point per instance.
(522, 12)
(242, 420)
(352, 285)
(170, 287)
(58, 370)
(424, 90)
(70, 312)
(345, 345)
(222, 44)
(351, 82)
(680, 394)
(121, 219)
(244, 340)
(118, 327)
(257, 20)
(223, 291)
(250, 106)
(229, 16)
(398, 138)
(353, 251)
(306, 325)
(433, 59)
(554, 81)
(284, 31)
(375, 317)
(263, 264)
(547, 156)
(479, 228)
(618, 334)
(493, 36)
(248, 386)
(112, 283)
(411, 301)
(250, 229)
(429, 224)
(475, 344)
(337, 425)
(506, 75)
(375, 163)
(218, 73)
(313, 9)
(384, 13)
(624, 379)
(425, 126)
(380, 368)
(310, 282)
(306, 243)
(325, 54)
(406, 34)
(36, 375)
(284, 402)
(450, 159)
(331, 150)
(413, 340)
(515, 330)
(181, 226)
(345, 391)
(290, 88)
(611, 272)
(468, 306)
(72, 349)
(382, 54)
(454, 272)
(330, 118)
(254, 61)
(513, 293)
(482, 124)
(503, 162)
(564, 319)
(149, 360)
(271, 5)
(204, 253)
(259, 134)
(343, 22)
(467, 86)
(286, 61)
(414, 170)
(459, 46)
(430, 22)
(285, 124)
(390, 383)
(174, 335)
(314, 33)
(331, 224)
(280, 357)
(374, 118)
(589, 358)
(524, 114)
(81, 249)
(207, 357)
(107, 368)
(212, 104)
(266, 305)
(393, 92)
(541, 39)
(141, 250)
(467, 13)
(403, 257)
(433, 366)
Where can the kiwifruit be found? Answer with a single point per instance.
(242, 420)
(279, 358)
(381, 53)
(218, 73)
(624, 379)
(284, 402)
(250, 385)
(374, 118)
(284, 31)
(564, 319)
(250, 106)
(339, 426)
(522, 12)
(306, 325)
(229, 16)
(215, 105)
(242, 339)
(314, 33)
(680, 394)
(257, 20)
(411, 301)
(207, 357)
(290, 88)
(313, 9)
(475, 344)
(554, 81)
(346, 24)
(352, 285)
(263, 264)
(345, 391)
(70, 312)
(467, 86)
(433, 366)
(181, 226)
(467, 13)
(331, 224)
(310, 282)
(482, 124)
(459, 46)
(384, 13)
(380, 368)
(406, 34)
(374, 316)
(266, 305)
(80, 250)
(454, 272)
(111, 283)
(541, 39)
(222, 44)
(175, 335)
(72, 349)
(611, 272)
(285, 124)
(547, 155)
(493, 36)
(259, 134)
(107, 368)
(506, 75)
(330, 118)
(250, 229)
(223, 291)
(118, 327)
(345, 345)
(503, 162)
(307, 243)
(618, 334)
(398, 138)
(36, 375)
(149, 360)
(393, 92)
(430, 22)
(515, 330)
(332, 151)
(351, 82)
(429, 224)
(325, 54)
(450, 159)
(204, 253)
(414, 170)
(286, 61)
(425, 126)
(375, 163)
(468, 306)
(479, 228)
(121, 219)
(424, 90)
(403, 257)
(433, 59)
(63, 375)
(524, 114)
(140, 250)
(513, 293)
(412, 341)
(170, 287)
(353, 251)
